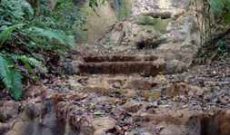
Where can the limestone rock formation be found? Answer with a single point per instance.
(168, 29)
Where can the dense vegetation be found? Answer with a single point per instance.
(221, 8)
(216, 28)
(33, 36)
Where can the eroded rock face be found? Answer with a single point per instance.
(35, 119)
(166, 28)
(147, 6)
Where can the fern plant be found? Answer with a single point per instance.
(27, 42)
(11, 78)
(32, 38)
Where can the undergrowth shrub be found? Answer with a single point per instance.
(215, 44)
(220, 12)
(33, 38)
(27, 43)
(220, 9)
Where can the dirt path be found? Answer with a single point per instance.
(124, 95)
(115, 95)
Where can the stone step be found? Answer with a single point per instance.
(142, 68)
(114, 82)
(142, 65)
(118, 58)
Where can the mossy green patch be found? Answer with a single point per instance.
(98, 20)
(124, 8)
(157, 23)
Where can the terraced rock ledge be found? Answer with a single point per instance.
(146, 65)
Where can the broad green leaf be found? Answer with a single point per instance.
(59, 36)
(11, 78)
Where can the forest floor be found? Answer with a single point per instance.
(125, 95)
(195, 102)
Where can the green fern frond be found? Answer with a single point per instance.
(59, 36)
(16, 9)
(11, 78)
(7, 33)
(4, 72)
(96, 3)
(26, 39)
(30, 62)
(16, 85)
(28, 10)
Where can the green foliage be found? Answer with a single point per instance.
(70, 18)
(124, 9)
(10, 77)
(14, 10)
(51, 35)
(146, 20)
(6, 34)
(221, 9)
(217, 6)
(222, 46)
(28, 42)
(157, 23)
(30, 63)
(33, 37)
(96, 3)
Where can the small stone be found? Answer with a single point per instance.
(117, 85)
(9, 110)
(173, 130)
(103, 124)
(224, 99)
(132, 106)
